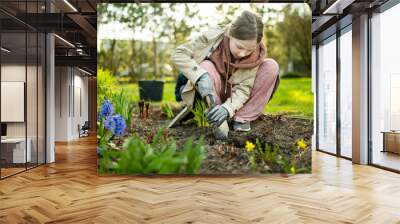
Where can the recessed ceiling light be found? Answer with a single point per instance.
(337, 7)
(64, 40)
(70, 5)
(5, 50)
(86, 72)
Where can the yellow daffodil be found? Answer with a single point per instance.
(249, 146)
(301, 144)
(293, 170)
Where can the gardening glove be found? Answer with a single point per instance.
(217, 115)
(221, 132)
(204, 85)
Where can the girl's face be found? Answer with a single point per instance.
(242, 48)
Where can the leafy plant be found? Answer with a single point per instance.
(199, 114)
(123, 106)
(286, 165)
(269, 155)
(158, 157)
(166, 109)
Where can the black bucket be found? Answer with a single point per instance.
(151, 90)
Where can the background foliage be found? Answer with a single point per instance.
(287, 35)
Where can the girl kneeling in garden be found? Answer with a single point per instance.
(229, 65)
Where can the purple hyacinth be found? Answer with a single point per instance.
(106, 108)
(115, 124)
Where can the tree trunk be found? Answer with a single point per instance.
(155, 65)
(132, 64)
(113, 43)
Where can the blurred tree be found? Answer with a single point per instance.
(286, 35)
(295, 32)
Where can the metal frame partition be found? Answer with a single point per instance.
(43, 118)
(382, 8)
(340, 29)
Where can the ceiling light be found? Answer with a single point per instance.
(64, 40)
(86, 72)
(70, 5)
(5, 50)
(338, 6)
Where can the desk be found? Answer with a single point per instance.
(16, 147)
(391, 141)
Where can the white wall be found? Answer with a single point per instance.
(70, 83)
(33, 126)
(314, 91)
(62, 81)
(14, 73)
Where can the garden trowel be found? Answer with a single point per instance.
(186, 110)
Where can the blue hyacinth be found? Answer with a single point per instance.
(109, 124)
(119, 125)
(106, 108)
(115, 124)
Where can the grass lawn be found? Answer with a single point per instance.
(293, 96)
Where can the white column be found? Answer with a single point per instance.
(50, 110)
(50, 92)
(314, 91)
(360, 90)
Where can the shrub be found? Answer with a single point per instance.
(106, 84)
(290, 75)
(159, 157)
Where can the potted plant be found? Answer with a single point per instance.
(151, 89)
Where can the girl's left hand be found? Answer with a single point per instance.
(217, 115)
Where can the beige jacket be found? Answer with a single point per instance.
(187, 58)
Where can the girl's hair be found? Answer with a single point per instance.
(247, 26)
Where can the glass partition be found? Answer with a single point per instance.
(346, 93)
(31, 100)
(41, 87)
(385, 89)
(14, 153)
(327, 95)
(22, 88)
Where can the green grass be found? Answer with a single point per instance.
(293, 96)
(168, 92)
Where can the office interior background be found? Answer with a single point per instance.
(356, 81)
(48, 79)
(48, 87)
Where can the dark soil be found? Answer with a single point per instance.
(230, 156)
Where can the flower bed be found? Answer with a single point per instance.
(276, 144)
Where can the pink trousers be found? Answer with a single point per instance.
(266, 77)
